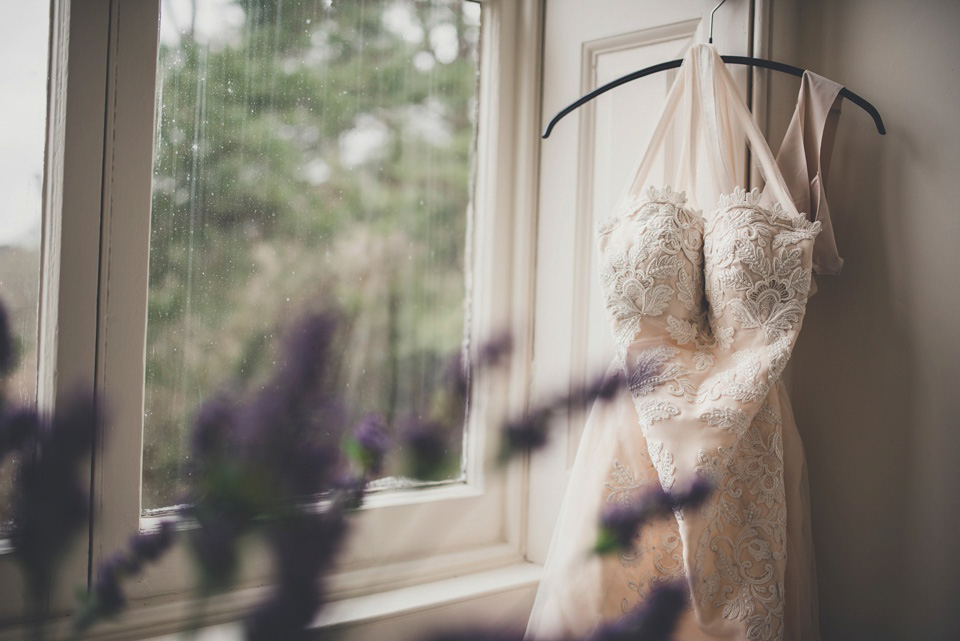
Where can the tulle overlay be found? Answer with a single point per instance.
(706, 286)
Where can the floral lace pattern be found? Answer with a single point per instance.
(664, 257)
(704, 319)
(657, 558)
(746, 530)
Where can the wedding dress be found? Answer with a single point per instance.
(706, 285)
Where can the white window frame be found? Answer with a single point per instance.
(69, 259)
(95, 271)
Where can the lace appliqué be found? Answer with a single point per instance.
(733, 420)
(752, 253)
(653, 369)
(699, 334)
(640, 278)
(660, 556)
(746, 526)
(662, 460)
(653, 410)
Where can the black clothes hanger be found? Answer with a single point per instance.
(736, 60)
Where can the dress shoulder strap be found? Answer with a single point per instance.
(804, 161)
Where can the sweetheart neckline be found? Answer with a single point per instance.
(739, 198)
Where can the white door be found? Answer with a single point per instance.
(584, 165)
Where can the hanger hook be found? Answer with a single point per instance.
(711, 20)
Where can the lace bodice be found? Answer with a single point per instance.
(656, 255)
(704, 318)
(651, 266)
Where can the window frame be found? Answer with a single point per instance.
(97, 201)
(69, 257)
(125, 239)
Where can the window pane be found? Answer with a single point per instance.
(305, 149)
(24, 29)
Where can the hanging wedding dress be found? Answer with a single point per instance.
(706, 285)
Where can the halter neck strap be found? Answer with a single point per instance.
(705, 87)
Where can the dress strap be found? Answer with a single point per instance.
(657, 138)
(804, 161)
(711, 117)
(758, 144)
(703, 132)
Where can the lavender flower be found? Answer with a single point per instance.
(491, 353)
(7, 349)
(291, 430)
(654, 620)
(17, 426)
(604, 388)
(369, 443)
(108, 595)
(304, 547)
(106, 598)
(525, 434)
(531, 431)
(456, 377)
(696, 494)
(619, 523)
(494, 350)
(427, 446)
(150, 546)
(212, 431)
(50, 506)
(259, 459)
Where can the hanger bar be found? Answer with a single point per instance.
(736, 60)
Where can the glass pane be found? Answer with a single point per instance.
(24, 29)
(305, 149)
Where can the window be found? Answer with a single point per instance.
(352, 182)
(305, 150)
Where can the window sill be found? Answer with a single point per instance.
(501, 598)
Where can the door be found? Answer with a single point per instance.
(583, 168)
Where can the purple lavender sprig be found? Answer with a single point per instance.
(429, 439)
(428, 448)
(17, 426)
(619, 524)
(290, 433)
(257, 463)
(106, 599)
(51, 501)
(368, 445)
(304, 548)
(265, 460)
(257, 459)
(8, 350)
(530, 432)
(653, 620)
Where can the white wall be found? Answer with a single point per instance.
(876, 374)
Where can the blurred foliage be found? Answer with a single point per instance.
(319, 149)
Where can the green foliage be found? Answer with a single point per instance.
(262, 205)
